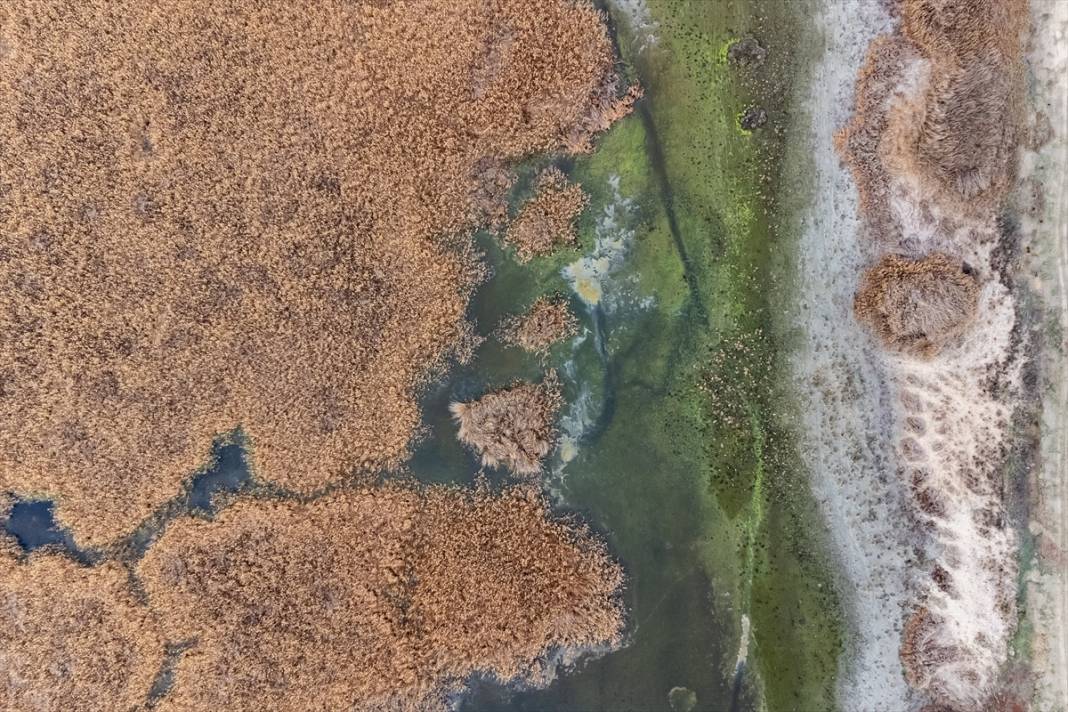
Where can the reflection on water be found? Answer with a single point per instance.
(32, 524)
(229, 474)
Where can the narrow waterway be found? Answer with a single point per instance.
(729, 606)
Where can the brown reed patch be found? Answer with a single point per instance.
(971, 129)
(959, 137)
(606, 108)
(917, 306)
(72, 638)
(382, 597)
(513, 427)
(547, 221)
(963, 140)
(965, 29)
(223, 213)
(548, 321)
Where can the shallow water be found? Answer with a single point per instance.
(33, 525)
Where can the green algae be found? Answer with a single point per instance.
(685, 460)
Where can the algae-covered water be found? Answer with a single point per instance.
(676, 442)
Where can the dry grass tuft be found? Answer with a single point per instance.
(548, 321)
(222, 213)
(965, 29)
(379, 598)
(968, 131)
(512, 427)
(917, 306)
(547, 221)
(72, 638)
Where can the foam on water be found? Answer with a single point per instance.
(593, 276)
(642, 25)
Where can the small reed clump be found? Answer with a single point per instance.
(72, 638)
(918, 306)
(378, 598)
(512, 427)
(547, 221)
(548, 321)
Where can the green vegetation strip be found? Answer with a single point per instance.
(719, 184)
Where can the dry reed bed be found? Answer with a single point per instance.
(547, 221)
(230, 213)
(72, 638)
(382, 597)
(548, 321)
(513, 427)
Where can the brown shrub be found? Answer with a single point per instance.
(547, 220)
(917, 306)
(72, 638)
(222, 213)
(547, 321)
(380, 598)
(513, 427)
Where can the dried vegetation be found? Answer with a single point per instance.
(548, 321)
(513, 427)
(918, 306)
(932, 146)
(547, 221)
(72, 638)
(378, 598)
(215, 213)
(958, 137)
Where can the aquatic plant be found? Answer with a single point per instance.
(548, 321)
(220, 214)
(380, 597)
(512, 427)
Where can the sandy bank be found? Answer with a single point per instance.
(844, 399)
